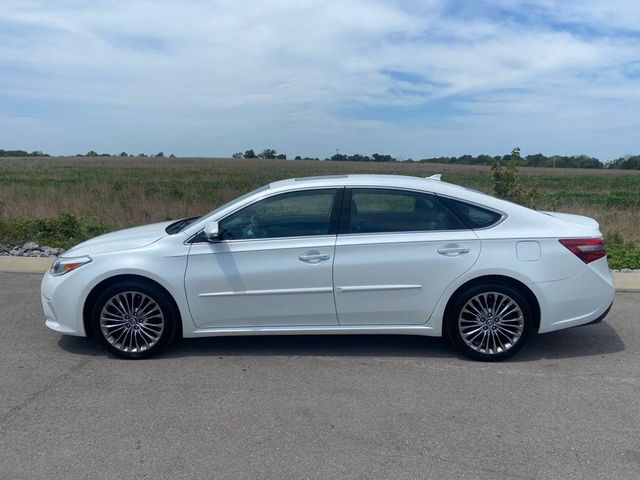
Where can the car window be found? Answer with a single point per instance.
(473, 215)
(383, 210)
(293, 214)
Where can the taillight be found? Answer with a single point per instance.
(586, 249)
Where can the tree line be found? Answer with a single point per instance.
(22, 153)
(535, 160)
(91, 153)
(628, 162)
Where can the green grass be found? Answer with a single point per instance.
(41, 196)
(621, 254)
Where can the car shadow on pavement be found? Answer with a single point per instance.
(586, 341)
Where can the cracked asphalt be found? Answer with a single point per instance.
(568, 406)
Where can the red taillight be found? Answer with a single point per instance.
(586, 249)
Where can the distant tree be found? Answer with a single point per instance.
(628, 162)
(142, 155)
(22, 153)
(123, 154)
(250, 154)
(91, 153)
(281, 156)
(537, 160)
(338, 157)
(172, 156)
(238, 155)
(298, 157)
(268, 154)
(382, 158)
(160, 154)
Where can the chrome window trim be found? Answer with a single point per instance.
(271, 239)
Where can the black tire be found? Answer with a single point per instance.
(468, 332)
(159, 326)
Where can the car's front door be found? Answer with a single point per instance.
(396, 253)
(271, 267)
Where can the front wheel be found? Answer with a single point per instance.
(489, 322)
(134, 319)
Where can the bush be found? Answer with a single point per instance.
(507, 183)
(63, 231)
(621, 254)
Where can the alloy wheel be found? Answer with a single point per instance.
(491, 323)
(132, 322)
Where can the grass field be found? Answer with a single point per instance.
(120, 192)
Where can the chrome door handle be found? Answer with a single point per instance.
(314, 257)
(453, 250)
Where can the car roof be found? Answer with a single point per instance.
(358, 179)
(430, 184)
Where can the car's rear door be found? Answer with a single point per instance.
(397, 251)
(272, 267)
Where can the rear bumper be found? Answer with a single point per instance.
(600, 318)
(582, 299)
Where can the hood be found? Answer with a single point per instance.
(576, 220)
(127, 239)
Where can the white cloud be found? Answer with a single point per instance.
(213, 77)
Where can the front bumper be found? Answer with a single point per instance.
(62, 298)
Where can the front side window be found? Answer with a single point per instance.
(293, 214)
(383, 210)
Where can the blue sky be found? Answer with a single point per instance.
(409, 78)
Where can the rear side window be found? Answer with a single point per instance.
(384, 210)
(473, 215)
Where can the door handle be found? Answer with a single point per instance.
(452, 251)
(314, 257)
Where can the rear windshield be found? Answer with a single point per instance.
(473, 215)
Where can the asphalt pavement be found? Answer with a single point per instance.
(365, 407)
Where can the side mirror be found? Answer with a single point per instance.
(211, 232)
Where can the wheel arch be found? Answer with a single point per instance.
(503, 279)
(107, 282)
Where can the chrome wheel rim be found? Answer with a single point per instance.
(491, 323)
(132, 322)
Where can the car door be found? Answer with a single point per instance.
(272, 265)
(396, 253)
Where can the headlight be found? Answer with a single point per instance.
(65, 265)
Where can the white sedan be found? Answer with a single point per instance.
(352, 254)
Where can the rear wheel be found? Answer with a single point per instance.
(489, 322)
(134, 319)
